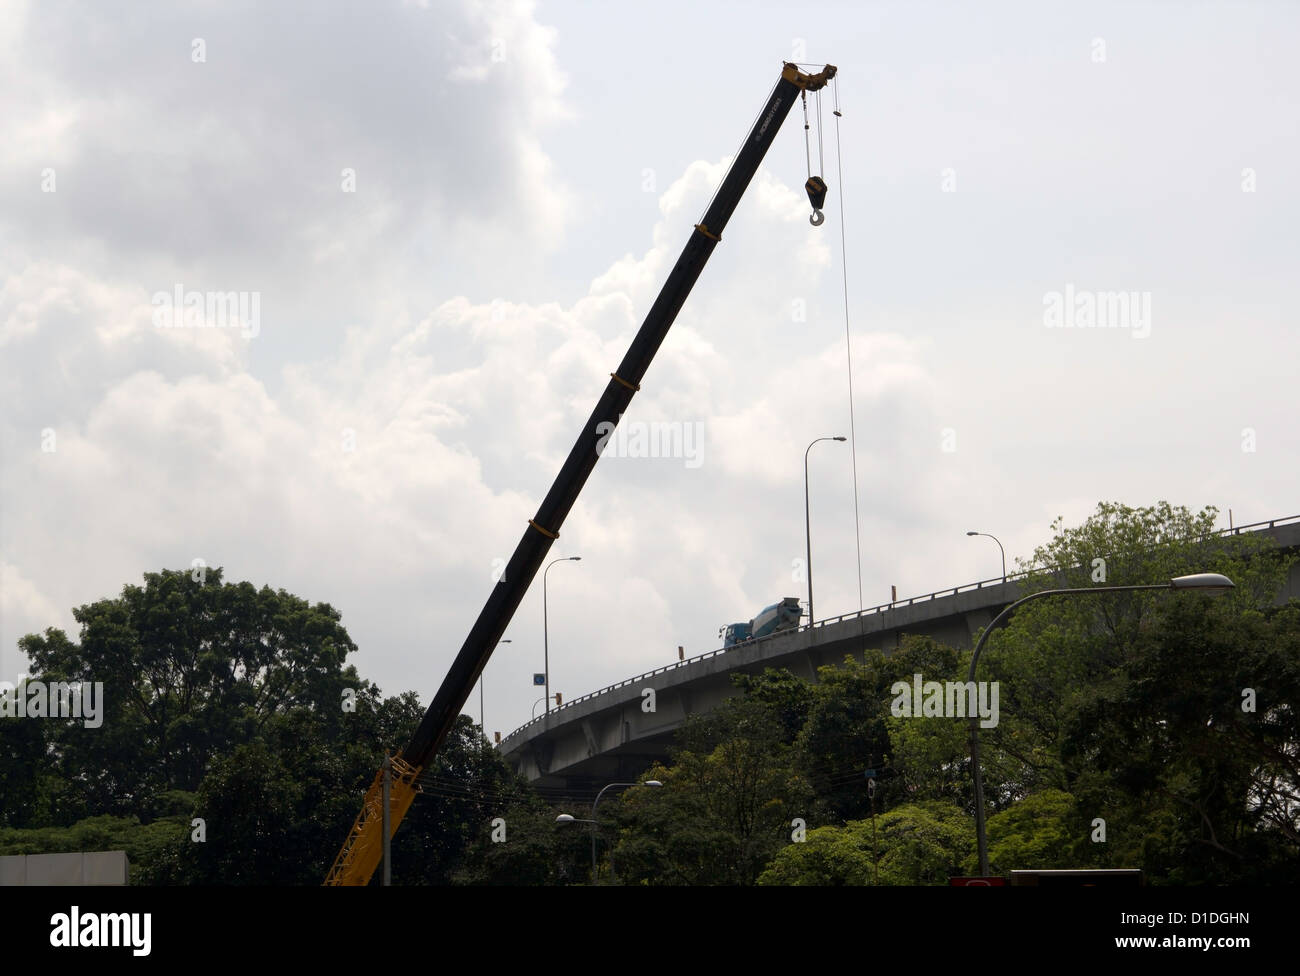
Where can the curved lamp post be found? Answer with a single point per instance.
(482, 724)
(807, 523)
(546, 648)
(1003, 551)
(1205, 582)
(538, 702)
(565, 818)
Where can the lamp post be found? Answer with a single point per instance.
(482, 724)
(807, 523)
(1003, 551)
(546, 647)
(595, 822)
(1205, 582)
(538, 702)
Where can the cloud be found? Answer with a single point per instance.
(387, 476)
(217, 139)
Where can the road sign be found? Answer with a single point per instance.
(869, 773)
(539, 679)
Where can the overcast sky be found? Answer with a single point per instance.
(453, 217)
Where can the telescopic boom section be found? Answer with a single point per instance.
(361, 853)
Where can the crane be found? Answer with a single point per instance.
(362, 850)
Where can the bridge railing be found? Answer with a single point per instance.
(1238, 529)
(758, 640)
(845, 617)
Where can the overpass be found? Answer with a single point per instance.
(607, 736)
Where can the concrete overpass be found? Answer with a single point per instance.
(607, 736)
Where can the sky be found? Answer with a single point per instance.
(1066, 236)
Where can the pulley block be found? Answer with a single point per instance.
(816, 188)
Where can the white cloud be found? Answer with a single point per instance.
(387, 477)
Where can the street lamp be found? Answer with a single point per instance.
(565, 818)
(1205, 582)
(538, 702)
(481, 723)
(807, 523)
(1004, 552)
(546, 648)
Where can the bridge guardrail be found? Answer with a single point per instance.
(854, 615)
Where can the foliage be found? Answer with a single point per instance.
(1135, 702)
(145, 844)
(726, 804)
(533, 850)
(914, 844)
(190, 668)
(1043, 831)
(225, 704)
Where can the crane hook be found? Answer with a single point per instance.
(816, 188)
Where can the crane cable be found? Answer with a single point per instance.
(816, 186)
(807, 143)
(821, 155)
(844, 271)
(848, 342)
(807, 147)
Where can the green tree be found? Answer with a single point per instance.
(917, 844)
(726, 805)
(31, 791)
(1043, 830)
(828, 856)
(146, 845)
(232, 706)
(1203, 740)
(844, 735)
(190, 668)
(850, 728)
(525, 846)
(1133, 702)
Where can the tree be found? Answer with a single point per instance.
(1044, 830)
(236, 737)
(917, 843)
(523, 845)
(726, 804)
(844, 735)
(467, 786)
(31, 793)
(850, 728)
(1202, 739)
(829, 856)
(190, 668)
(147, 846)
(1136, 703)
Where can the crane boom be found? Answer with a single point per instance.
(360, 855)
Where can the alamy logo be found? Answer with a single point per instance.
(1075, 309)
(208, 310)
(54, 699)
(661, 439)
(75, 930)
(946, 699)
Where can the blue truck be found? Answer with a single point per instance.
(779, 616)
